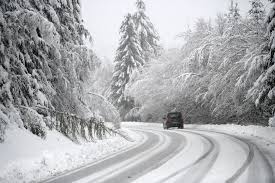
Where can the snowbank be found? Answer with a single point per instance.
(25, 157)
(265, 133)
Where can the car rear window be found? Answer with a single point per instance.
(174, 115)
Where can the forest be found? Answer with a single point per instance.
(48, 73)
(223, 73)
(97, 91)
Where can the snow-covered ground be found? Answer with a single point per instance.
(234, 157)
(263, 137)
(264, 133)
(25, 157)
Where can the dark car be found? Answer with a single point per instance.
(173, 119)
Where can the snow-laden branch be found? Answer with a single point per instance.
(113, 108)
(188, 75)
(72, 125)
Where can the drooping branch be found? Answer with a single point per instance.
(72, 125)
(113, 108)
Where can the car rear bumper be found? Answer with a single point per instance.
(174, 124)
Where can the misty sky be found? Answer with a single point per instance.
(170, 17)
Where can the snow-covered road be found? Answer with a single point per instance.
(187, 155)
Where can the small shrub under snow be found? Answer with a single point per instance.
(34, 122)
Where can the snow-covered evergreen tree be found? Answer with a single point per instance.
(44, 63)
(263, 90)
(234, 24)
(257, 15)
(234, 12)
(220, 23)
(128, 58)
(201, 25)
(147, 34)
(257, 12)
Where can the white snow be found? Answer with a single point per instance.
(224, 167)
(265, 133)
(25, 157)
(272, 121)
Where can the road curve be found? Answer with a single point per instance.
(155, 149)
(179, 156)
(226, 158)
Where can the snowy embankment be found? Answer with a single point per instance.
(25, 157)
(263, 137)
(264, 133)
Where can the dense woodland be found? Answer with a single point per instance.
(46, 69)
(223, 73)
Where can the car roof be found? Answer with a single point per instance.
(174, 113)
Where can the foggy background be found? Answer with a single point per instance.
(103, 19)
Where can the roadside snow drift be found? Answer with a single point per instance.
(26, 157)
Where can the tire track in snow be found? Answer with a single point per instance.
(197, 170)
(150, 139)
(261, 168)
(122, 165)
(247, 162)
(265, 168)
(132, 170)
(63, 177)
(201, 169)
